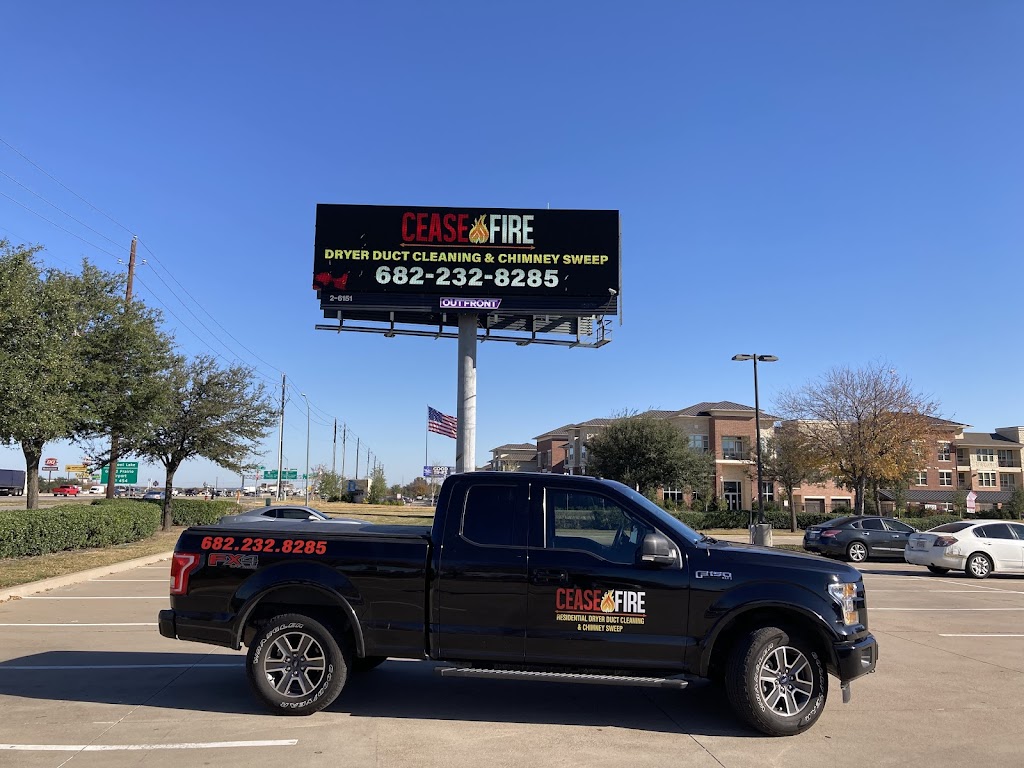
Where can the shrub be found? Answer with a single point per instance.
(195, 511)
(924, 523)
(75, 526)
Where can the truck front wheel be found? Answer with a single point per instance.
(295, 665)
(776, 681)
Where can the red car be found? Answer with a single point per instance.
(67, 490)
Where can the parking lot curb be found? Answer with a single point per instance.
(74, 578)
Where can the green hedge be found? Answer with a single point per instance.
(779, 519)
(193, 511)
(75, 526)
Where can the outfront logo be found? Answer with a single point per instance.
(505, 229)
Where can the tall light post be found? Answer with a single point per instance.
(757, 429)
(307, 447)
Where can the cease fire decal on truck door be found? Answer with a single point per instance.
(598, 610)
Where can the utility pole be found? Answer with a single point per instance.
(334, 450)
(357, 457)
(280, 442)
(344, 441)
(114, 437)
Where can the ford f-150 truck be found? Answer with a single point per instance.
(525, 576)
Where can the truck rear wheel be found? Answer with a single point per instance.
(776, 682)
(295, 665)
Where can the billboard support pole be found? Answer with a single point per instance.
(465, 444)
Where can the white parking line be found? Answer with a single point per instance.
(980, 635)
(73, 624)
(76, 597)
(138, 747)
(68, 667)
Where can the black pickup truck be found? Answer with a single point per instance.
(525, 576)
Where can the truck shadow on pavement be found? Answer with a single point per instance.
(396, 689)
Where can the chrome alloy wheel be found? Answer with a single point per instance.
(786, 681)
(295, 664)
(979, 566)
(858, 552)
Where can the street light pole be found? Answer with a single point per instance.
(307, 448)
(757, 429)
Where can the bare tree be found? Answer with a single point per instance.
(862, 424)
(789, 459)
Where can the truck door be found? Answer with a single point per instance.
(592, 600)
(481, 581)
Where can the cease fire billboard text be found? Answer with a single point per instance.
(551, 260)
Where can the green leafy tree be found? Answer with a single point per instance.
(74, 361)
(418, 487)
(862, 424)
(1015, 506)
(378, 486)
(960, 501)
(789, 459)
(699, 478)
(210, 412)
(641, 451)
(331, 486)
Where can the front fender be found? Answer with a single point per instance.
(326, 582)
(777, 598)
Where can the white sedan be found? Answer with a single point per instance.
(976, 547)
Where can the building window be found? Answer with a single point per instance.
(986, 479)
(961, 456)
(673, 495)
(699, 442)
(1006, 458)
(985, 454)
(961, 481)
(732, 448)
(922, 477)
(945, 477)
(947, 506)
(768, 492)
(1007, 482)
(944, 451)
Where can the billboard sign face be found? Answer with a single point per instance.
(466, 259)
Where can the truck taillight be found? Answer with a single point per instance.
(182, 564)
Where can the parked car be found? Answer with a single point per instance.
(67, 490)
(976, 547)
(285, 512)
(859, 537)
(151, 495)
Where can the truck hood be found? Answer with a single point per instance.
(770, 557)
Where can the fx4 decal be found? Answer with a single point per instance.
(233, 561)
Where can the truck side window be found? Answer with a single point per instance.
(593, 523)
(489, 515)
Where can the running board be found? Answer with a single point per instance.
(564, 677)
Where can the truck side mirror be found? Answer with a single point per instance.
(658, 550)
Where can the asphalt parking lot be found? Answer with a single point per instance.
(86, 680)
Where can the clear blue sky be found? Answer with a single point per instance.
(832, 183)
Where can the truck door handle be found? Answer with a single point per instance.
(545, 576)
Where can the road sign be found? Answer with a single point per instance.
(75, 468)
(291, 474)
(50, 464)
(127, 473)
(270, 474)
(438, 471)
(972, 502)
(82, 475)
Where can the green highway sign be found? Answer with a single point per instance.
(127, 473)
(270, 474)
(291, 474)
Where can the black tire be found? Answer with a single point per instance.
(938, 570)
(365, 664)
(978, 566)
(787, 705)
(307, 667)
(857, 552)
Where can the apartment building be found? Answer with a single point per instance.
(990, 464)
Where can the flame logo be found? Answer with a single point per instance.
(479, 234)
(608, 603)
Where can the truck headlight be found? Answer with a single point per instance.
(845, 595)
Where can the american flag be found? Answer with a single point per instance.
(441, 423)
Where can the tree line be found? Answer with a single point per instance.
(79, 362)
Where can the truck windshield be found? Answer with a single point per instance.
(664, 519)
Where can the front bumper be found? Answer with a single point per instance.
(857, 658)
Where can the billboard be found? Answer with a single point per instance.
(372, 259)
